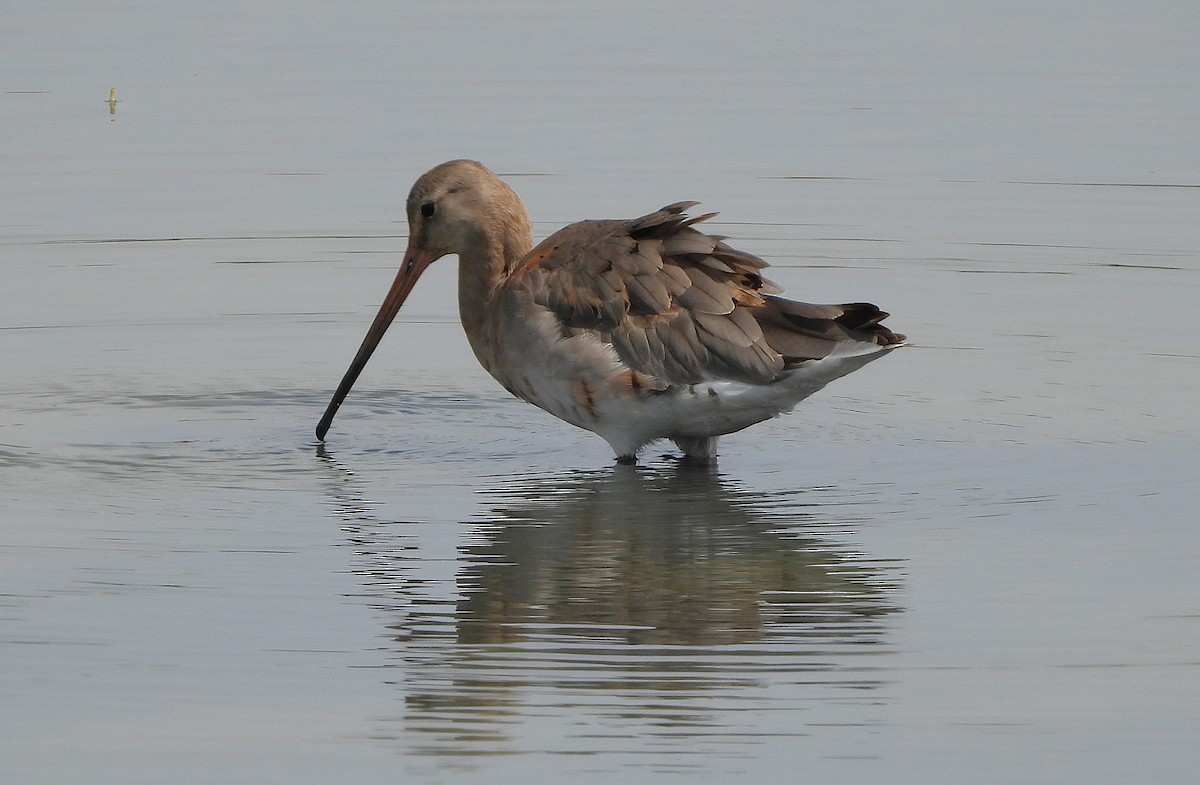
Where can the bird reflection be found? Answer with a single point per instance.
(673, 557)
(616, 600)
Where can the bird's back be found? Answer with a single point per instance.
(683, 307)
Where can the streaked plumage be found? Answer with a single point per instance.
(635, 329)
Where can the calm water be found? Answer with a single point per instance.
(973, 561)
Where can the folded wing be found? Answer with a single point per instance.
(681, 305)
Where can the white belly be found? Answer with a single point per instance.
(582, 381)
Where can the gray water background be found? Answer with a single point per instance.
(973, 561)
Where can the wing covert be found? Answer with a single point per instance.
(681, 305)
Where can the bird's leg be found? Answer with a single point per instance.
(697, 449)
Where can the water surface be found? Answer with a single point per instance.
(971, 561)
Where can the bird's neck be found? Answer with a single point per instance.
(486, 261)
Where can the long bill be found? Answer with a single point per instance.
(415, 262)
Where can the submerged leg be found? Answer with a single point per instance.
(697, 449)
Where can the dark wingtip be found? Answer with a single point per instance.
(867, 317)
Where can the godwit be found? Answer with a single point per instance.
(636, 330)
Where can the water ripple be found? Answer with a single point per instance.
(623, 604)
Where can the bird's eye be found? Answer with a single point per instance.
(428, 209)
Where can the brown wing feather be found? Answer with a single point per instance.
(681, 305)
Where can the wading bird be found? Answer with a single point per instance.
(636, 330)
